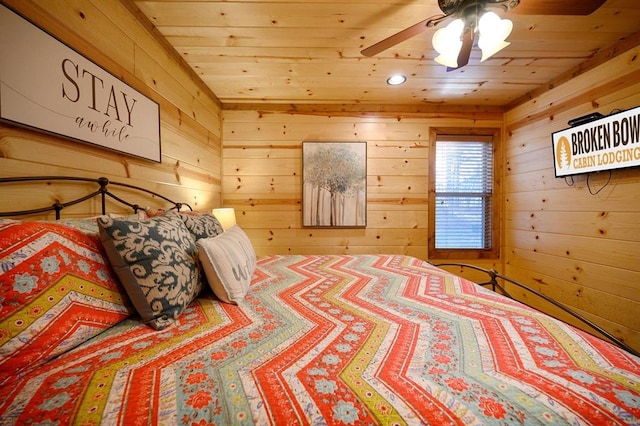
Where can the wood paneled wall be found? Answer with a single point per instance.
(262, 167)
(577, 240)
(110, 34)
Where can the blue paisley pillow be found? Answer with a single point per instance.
(156, 261)
(202, 225)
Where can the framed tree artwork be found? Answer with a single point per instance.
(334, 184)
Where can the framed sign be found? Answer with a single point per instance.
(46, 85)
(334, 190)
(611, 142)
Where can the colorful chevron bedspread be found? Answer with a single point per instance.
(371, 339)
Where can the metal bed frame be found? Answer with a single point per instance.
(493, 277)
(103, 191)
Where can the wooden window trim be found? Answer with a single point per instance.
(465, 133)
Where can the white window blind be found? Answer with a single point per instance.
(463, 191)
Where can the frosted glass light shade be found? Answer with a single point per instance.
(493, 33)
(447, 42)
(226, 216)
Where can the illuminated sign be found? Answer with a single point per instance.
(612, 142)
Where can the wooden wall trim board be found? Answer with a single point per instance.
(478, 112)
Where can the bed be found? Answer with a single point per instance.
(312, 339)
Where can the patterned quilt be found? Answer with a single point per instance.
(371, 339)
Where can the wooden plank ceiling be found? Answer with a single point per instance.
(308, 51)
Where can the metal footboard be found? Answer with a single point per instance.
(493, 276)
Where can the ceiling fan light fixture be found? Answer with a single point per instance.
(447, 42)
(489, 51)
(493, 33)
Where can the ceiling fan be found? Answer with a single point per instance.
(466, 16)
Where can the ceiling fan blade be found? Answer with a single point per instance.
(465, 50)
(556, 7)
(401, 36)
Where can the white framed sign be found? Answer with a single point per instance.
(48, 86)
(611, 142)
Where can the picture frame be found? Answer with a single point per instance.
(48, 86)
(334, 184)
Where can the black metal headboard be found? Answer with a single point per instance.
(103, 190)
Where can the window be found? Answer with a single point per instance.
(463, 209)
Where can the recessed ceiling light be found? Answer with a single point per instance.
(396, 80)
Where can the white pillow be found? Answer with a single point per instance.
(229, 261)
